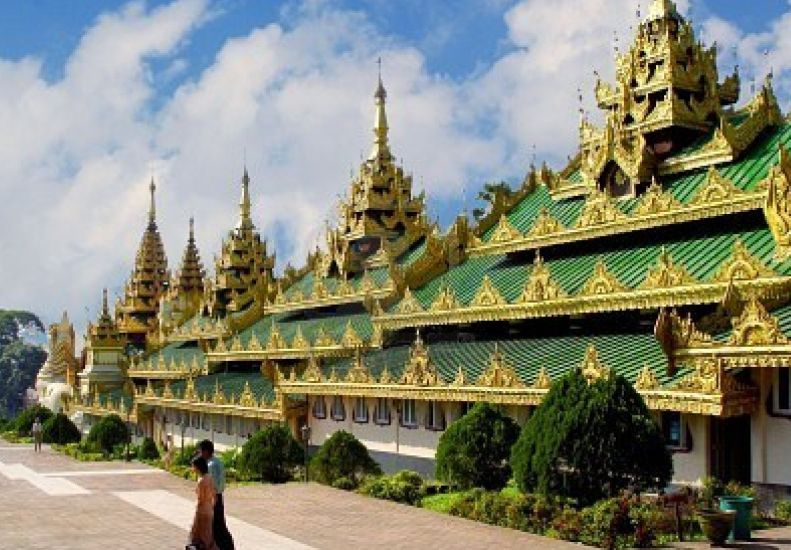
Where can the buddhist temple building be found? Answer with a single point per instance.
(661, 252)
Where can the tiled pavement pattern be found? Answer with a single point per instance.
(311, 514)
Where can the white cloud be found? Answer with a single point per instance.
(76, 154)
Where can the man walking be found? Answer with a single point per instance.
(38, 434)
(222, 537)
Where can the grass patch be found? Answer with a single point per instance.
(440, 503)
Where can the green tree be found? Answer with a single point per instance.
(589, 441)
(474, 450)
(59, 429)
(489, 195)
(148, 450)
(23, 423)
(343, 458)
(108, 432)
(271, 453)
(20, 361)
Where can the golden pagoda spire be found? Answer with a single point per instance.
(189, 277)
(381, 149)
(152, 209)
(245, 207)
(662, 9)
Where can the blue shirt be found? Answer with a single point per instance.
(217, 472)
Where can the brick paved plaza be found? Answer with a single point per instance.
(52, 501)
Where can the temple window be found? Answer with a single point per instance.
(673, 430)
(435, 417)
(319, 408)
(360, 410)
(615, 182)
(782, 392)
(382, 411)
(408, 413)
(338, 411)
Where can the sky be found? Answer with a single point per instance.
(98, 97)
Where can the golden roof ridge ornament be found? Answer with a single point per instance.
(381, 149)
(245, 205)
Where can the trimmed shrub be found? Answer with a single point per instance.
(183, 457)
(405, 486)
(148, 450)
(108, 432)
(60, 430)
(271, 453)
(474, 450)
(342, 456)
(344, 484)
(23, 423)
(590, 441)
(783, 510)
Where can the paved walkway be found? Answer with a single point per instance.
(770, 539)
(48, 500)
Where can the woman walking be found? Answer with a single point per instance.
(201, 537)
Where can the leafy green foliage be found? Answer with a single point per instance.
(60, 430)
(271, 453)
(148, 450)
(183, 457)
(23, 423)
(19, 360)
(474, 450)
(489, 194)
(342, 456)
(405, 486)
(108, 432)
(589, 441)
(783, 510)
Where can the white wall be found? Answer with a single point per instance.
(692, 466)
(771, 437)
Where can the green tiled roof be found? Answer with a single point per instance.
(626, 354)
(305, 284)
(414, 253)
(114, 395)
(701, 256)
(231, 383)
(287, 323)
(745, 173)
(177, 352)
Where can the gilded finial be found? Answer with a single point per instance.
(192, 229)
(380, 149)
(245, 219)
(152, 209)
(105, 307)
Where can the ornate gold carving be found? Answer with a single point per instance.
(323, 340)
(409, 303)
(756, 327)
(385, 377)
(167, 392)
(461, 378)
(275, 341)
(602, 281)
(499, 374)
(777, 208)
(599, 208)
(504, 231)
(543, 380)
(359, 373)
(704, 379)
(656, 201)
(591, 368)
(545, 224)
(716, 189)
(247, 399)
(445, 300)
(254, 344)
(299, 341)
(236, 344)
(420, 370)
(540, 285)
(350, 338)
(487, 294)
(313, 371)
(741, 266)
(666, 274)
(646, 380)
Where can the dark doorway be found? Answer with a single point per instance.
(730, 448)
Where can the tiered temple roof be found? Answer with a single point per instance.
(136, 312)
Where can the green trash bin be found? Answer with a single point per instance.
(743, 506)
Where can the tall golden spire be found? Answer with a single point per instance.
(381, 149)
(662, 9)
(136, 311)
(152, 209)
(189, 277)
(245, 218)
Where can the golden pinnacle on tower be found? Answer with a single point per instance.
(245, 207)
(136, 312)
(381, 149)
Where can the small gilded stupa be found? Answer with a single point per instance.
(244, 270)
(379, 206)
(104, 354)
(183, 296)
(136, 312)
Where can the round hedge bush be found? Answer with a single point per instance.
(108, 432)
(148, 450)
(271, 453)
(23, 423)
(60, 430)
(474, 450)
(588, 441)
(342, 456)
